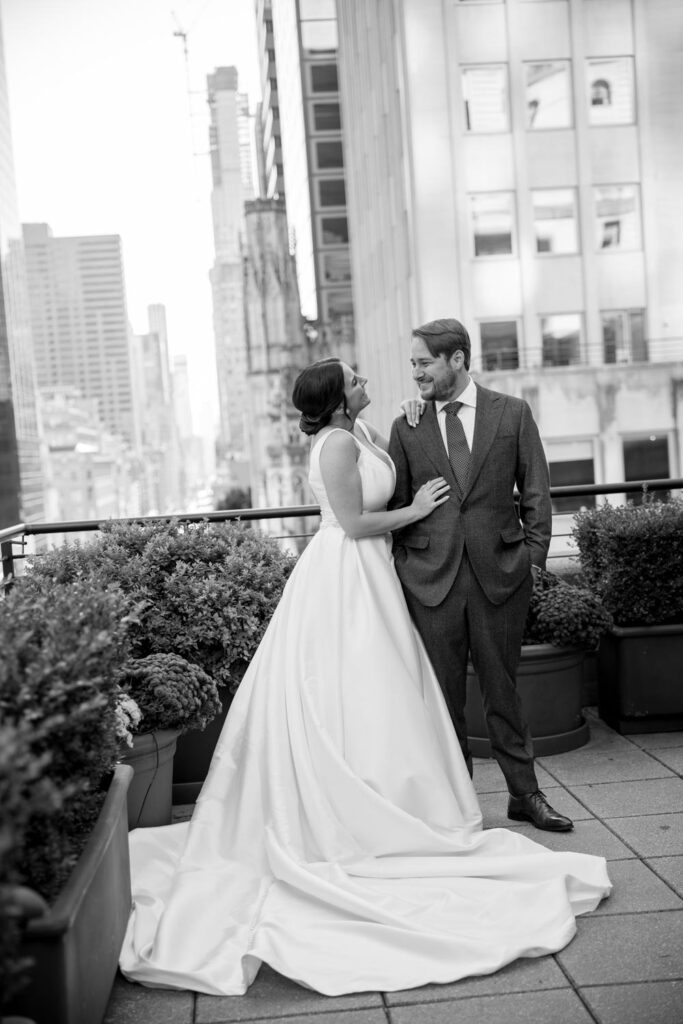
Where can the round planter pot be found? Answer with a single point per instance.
(549, 683)
(194, 752)
(150, 796)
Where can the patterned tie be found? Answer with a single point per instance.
(458, 449)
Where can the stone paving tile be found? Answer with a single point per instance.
(652, 835)
(272, 995)
(525, 975)
(494, 807)
(488, 778)
(637, 889)
(654, 1002)
(373, 1016)
(670, 868)
(605, 766)
(587, 837)
(136, 1004)
(658, 740)
(552, 1007)
(672, 757)
(625, 948)
(646, 796)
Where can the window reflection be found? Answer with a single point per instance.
(617, 217)
(555, 221)
(610, 88)
(561, 336)
(548, 95)
(623, 336)
(499, 345)
(492, 223)
(484, 89)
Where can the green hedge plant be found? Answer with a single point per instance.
(205, 591)
(632, 558)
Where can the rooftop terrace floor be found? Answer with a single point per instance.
(624, 966)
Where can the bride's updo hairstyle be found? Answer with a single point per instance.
(318, 392)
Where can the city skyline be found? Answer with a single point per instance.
(129, 157)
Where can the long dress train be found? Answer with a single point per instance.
(338, 836)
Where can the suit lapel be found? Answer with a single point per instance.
(487, 417)
(429, 436)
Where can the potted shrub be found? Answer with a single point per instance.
(204, 591)
(564, 621)
(161, 696)
(65, 872)
(632, 556)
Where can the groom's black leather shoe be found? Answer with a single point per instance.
(535, 808)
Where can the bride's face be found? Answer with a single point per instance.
(354, 391)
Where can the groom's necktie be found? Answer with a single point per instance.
(458, 449)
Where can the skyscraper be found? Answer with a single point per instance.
(21, 472)
(311, 127)
(229, 135)
(80, 322)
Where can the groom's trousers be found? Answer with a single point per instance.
(466, 624)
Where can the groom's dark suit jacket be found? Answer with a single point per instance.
(501, 543)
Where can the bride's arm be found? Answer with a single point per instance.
(338, 465)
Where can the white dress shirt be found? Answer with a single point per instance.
(466, 413)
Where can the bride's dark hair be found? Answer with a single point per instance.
(318, 391)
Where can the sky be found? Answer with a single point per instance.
(109, 129)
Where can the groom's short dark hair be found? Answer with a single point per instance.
(444, 338)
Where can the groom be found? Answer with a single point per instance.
(467, 569)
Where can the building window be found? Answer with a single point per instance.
(499, 345)
(336, 267)
(561, 336)
(555, 221)
(617, 217)
(339, 304)
(319, 37)
(623, 336)
(485, 93)
(324, 78)
(611, 93)
(548, 95)
(329, 154)
(492, 223)
(335, 230)
(326, 117)
(572, 473)
(646, 458)
(332, 192)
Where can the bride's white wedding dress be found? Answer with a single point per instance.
(338, 836)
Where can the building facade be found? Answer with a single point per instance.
(276, 351)
(21, 457)
(79, 320)
(310, 113)
(516, 164)
(229, 132)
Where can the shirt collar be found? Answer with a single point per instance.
(467, 397)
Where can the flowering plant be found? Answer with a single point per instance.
(168, 692)
(564, 614)
(127, 716)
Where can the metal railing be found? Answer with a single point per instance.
(14, 537)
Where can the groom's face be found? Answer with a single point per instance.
(437, 377)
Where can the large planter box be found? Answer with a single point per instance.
(150, 796)
(194, 752)
(640, 678)
(549, 683)
(75, 947)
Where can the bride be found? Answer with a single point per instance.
(338, 837)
